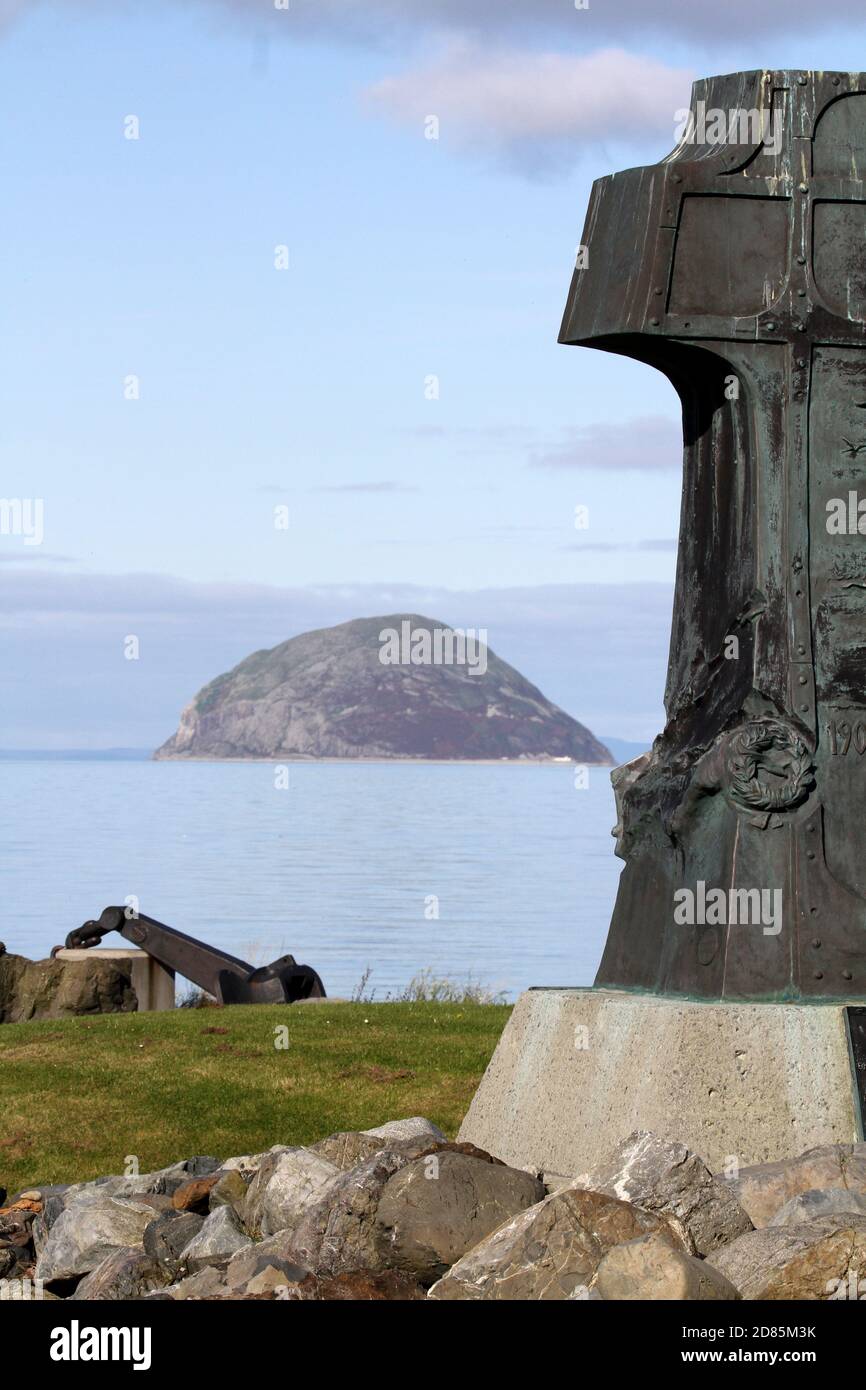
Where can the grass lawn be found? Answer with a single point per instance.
(79, 1095)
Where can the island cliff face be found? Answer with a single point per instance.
(350, 692)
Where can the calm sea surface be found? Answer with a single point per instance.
(343, 868)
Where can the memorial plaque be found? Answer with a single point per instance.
(737, 266)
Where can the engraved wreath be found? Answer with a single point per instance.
(770, 747)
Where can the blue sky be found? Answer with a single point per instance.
(409, 258)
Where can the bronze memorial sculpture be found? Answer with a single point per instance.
(736, 266)
(739, 270)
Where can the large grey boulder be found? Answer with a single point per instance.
(763, 1188)
(287, 1184)
(551, 1251)
(649, 1268)
(127, 1273)
(436, 1208)
(90, 1228)
(812, 1261)
(338, 1233)
(669, 1179)
(220, 1235)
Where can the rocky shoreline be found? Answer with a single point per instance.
(401, 1213)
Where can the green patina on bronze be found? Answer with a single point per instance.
(737, 266)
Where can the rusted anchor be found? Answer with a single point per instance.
(228, 979)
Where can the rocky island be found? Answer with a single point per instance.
(399, 686)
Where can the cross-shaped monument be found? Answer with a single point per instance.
(736, 266)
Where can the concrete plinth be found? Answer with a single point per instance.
(153, 983)
(577, 1070)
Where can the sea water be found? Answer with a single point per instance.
(502, 874)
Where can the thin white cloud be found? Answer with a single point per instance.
(533, 108)
(641, 443)
(395, 23)
(386, 485)
(386, 20)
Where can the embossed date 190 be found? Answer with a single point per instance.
(846, 737)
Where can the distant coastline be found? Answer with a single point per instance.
(624, 749)
(72, 755)
(147, 755)
(414, 762)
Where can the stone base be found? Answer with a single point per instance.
(577, 1070)
(153, 983)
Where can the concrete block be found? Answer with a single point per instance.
(578, 1070)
